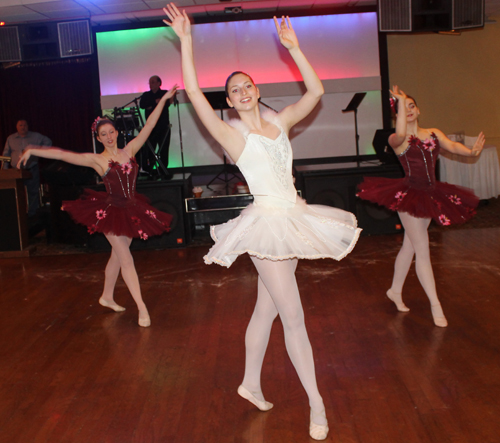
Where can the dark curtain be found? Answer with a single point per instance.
(55, 97)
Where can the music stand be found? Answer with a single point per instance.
(218, 101)
(353, 106)
(381, 145)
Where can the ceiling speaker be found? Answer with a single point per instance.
(429, 15)
(74, 38)
(10, 49)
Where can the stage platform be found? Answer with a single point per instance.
(332, 184)
(325, 184)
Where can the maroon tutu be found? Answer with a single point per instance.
(120, 210)
(419, 193)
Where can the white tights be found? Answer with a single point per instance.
(121, 259)
(278, 294)
(416, 242)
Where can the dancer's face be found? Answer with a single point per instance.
(107, 135)
(412, 111)
(243, 94)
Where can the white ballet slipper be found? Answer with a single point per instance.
(247, 395)
(144, 320)
(318, 432)
(113, 306)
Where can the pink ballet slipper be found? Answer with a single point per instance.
(438, 316)
(397, 300)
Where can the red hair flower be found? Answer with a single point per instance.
(94, 125)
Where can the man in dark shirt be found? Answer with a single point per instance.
(160, 136)
(14, 147)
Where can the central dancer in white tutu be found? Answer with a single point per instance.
(278, 228)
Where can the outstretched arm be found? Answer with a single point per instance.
(222, 132)
(292, 114)
(459, 148)
(85, 159)
(399, 137)
(139, 141)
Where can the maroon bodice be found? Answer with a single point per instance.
(419, 161)
(120, 181)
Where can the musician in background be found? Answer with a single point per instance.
(160, 136)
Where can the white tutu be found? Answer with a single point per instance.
(281, 233)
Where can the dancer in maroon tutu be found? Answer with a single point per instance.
(418, 197)
(119, 213)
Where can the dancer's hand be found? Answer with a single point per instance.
(286, 33)
(25, 156)
(479, 145)
(179, 22)
(170, 93)
(400, 99)
(398, 93)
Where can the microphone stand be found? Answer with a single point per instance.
(148, 143)
(176, 104)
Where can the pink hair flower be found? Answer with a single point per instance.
(143, 235)
(445, 221)
(100, 214)
(151, 214)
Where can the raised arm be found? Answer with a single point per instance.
(84, 159)
(227, 136)
(292, 114)
(459, 148)
(133, 146)
(399, 137)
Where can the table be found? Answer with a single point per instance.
(13, 213)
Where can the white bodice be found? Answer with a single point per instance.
(266, 165)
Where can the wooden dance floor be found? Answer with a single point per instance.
(73, 371)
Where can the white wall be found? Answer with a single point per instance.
(342, 48)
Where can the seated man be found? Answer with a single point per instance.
(14, 147)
